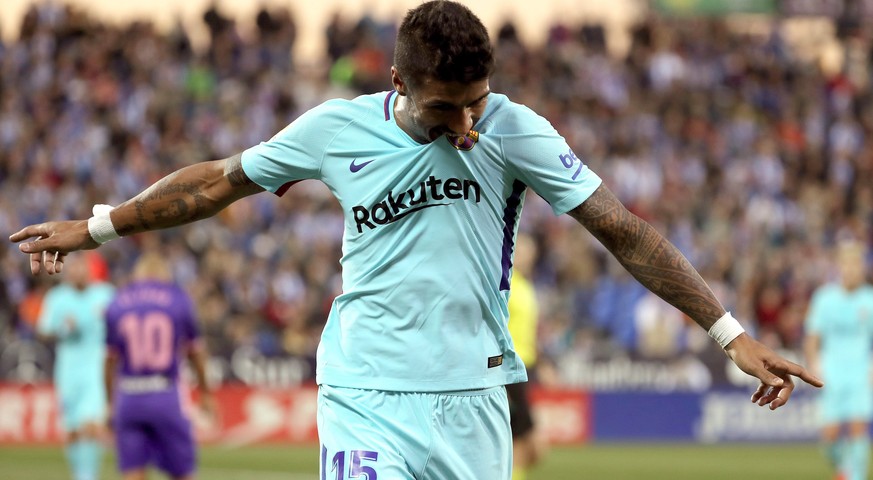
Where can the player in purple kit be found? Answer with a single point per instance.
(150, 325)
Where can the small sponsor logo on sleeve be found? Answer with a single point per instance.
(568, 160)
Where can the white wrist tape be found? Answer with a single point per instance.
(100, 225)
(726, 329)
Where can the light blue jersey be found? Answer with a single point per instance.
(843, 321)
(429, 236)
(75, 318)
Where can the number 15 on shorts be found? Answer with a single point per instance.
(360, 465)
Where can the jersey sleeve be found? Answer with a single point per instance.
(47, 324)
(541, 158)
(190, 331)
(95, 327)
(815, 321)
(296, 152)
(111, 317)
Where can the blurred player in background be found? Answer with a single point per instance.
(527, 445)
(72, 316)
(839, 345)
(431, 177)
(151, 327)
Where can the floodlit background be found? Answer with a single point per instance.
(739, 129)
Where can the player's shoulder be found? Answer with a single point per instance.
(826, 291)
(55, 294)
(351, 109)
(103, 288)
(101, 293)
(156, 285)
(504, 117)
(60, 292)
(176, 292)
(335, 114)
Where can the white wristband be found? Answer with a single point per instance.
(726, 329)
(100, 225)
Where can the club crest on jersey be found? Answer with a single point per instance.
(466, 142)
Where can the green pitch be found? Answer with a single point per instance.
(594, 462)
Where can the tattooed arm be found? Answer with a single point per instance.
(189, 194)
(648, 256)
(660, 267)
(192, 193)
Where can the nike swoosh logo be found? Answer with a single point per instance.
(354, 167)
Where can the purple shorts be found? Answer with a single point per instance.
(150, 429)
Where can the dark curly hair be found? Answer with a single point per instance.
(445, 41)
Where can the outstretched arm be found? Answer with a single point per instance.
(110, 364)
(198, 357)
(648, 256)
(811, 349)
(192, 193)
(660, 266)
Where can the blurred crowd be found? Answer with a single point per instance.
(752, 160)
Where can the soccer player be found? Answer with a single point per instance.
(431, 176)
(527, 445)
(838, 344)
(72, 316)
(150, 325)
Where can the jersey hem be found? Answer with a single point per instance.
(574, 199)
(407, 385)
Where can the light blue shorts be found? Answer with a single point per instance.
(385, 435)
(842, 402)
(81, 403)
